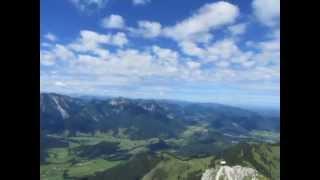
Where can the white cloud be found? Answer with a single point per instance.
(276, 34)
(47, 58)
(59, 83)
(248, 64)
(267, 11)
(50, 37)
(222, 50)
(272, 45)
(269, 51)
(196, 28)
(89, 5)
(88, 58)
(120, 39)
(108, 63)
(113, 21)
(91, 41)
(209, 17)
(193, 65)
(226, 54)
(91, 67)
(147, 29)
(268, 58)
(223, 64)
(63, 53)
(92, 38)
(238, 29)
(241, 57)
(46, 45)
(140, 2)
(192, 49)
(57, 53)
(166, 55)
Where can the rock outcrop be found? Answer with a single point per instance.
(231, 173)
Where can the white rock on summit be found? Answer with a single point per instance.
(230, 173)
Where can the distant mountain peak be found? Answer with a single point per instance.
(154, 117)
(118, 101)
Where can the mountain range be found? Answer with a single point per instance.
(145, 118)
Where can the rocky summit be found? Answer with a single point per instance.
(231, 173)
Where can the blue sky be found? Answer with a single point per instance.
(197, 50)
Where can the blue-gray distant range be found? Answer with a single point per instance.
(147, 118)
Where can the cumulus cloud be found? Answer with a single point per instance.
(162, 63)
(248, 64)
(50, 37)
(271, 45)
(268, 54)
(63, 53)
(147, 29)
(89, 5)
(193, 65)
(223, 50)
(88, 47)
(57, 53)
(59, 83)
(267, 11)
(238, 29)
(47, 58)
(192, 49)
(108, 63)
(166, 55)
(91, 41)
(140, 2)
(223, 64)
(120, 39)
(132, 68)
(202, 54)
(113, 21)
(209, 17)
(231, 63)
(196, 28)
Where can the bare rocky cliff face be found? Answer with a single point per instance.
(231, 173)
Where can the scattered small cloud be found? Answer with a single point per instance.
(166, 55)
(113, 21)
(46, 58)
(140, 2)
(120, 39)
(267, 11)
(238, 29)
(188, 56)
(90, 41)
(50, 37)
(59, 83)
(147, 29)
(89, 5)
(193, 65)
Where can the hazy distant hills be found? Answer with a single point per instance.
(144, 118)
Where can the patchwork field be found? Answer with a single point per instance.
(64, 163)
(185, 157)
